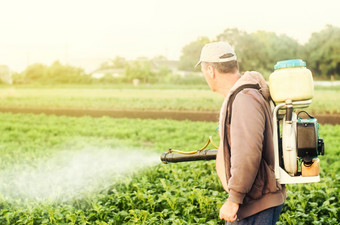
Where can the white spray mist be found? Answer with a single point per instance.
(69, 174)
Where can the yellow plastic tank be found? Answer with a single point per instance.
(291, 80)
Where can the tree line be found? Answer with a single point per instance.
(143, 70)
(258, 51)
(261, 50)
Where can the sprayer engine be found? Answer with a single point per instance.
(296, 144)
(309, 145)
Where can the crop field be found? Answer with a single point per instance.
(67, 170)
(326, 99)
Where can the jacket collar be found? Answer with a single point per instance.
(252, 77)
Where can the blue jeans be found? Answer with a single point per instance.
(265, 217)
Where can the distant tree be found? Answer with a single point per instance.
(272, 48)
(5, 74)
(19, 78)
(105, 65)
(117, 63)
(323, 50)
(287, 48)
(56, 73)
(164, 74)
(233, 36)
(35, 72)
(244, 46)
(159, 57)
(260, 50)
(140, 69)
(191, 54)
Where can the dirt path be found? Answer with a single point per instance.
(144, 114)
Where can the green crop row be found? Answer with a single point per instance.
(326, 100)
(183, 193)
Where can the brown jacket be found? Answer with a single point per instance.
(246, 170)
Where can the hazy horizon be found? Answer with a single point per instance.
(84, 33)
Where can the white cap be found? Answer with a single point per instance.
(217, 52)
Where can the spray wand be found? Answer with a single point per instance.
(173, 155)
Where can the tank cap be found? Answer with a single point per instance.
(289, 63)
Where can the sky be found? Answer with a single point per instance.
(87, 32)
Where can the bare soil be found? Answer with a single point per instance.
(146, 114)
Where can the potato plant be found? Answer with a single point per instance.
(183, 193)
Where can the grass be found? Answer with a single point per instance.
(326, 99)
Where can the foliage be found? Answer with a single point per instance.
(140, 70)
(19, 78)
(258, 51)
(184, 193)
(65, 74)
(117, 63)
(191, 54)
(56, 73)
(189, 79)
(323, 52)
(5, 74)
(261, 50)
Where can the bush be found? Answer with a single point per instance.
(54, 74)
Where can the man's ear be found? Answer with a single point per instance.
(211, 71)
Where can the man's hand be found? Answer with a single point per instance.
(228, 211)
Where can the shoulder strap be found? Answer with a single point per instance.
(233, 96)
(229, 107)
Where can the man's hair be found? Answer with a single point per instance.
(224, 67)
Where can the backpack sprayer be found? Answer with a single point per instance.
(296, 140)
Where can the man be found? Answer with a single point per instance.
(245, 159)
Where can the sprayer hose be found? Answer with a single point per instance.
(193, 152)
